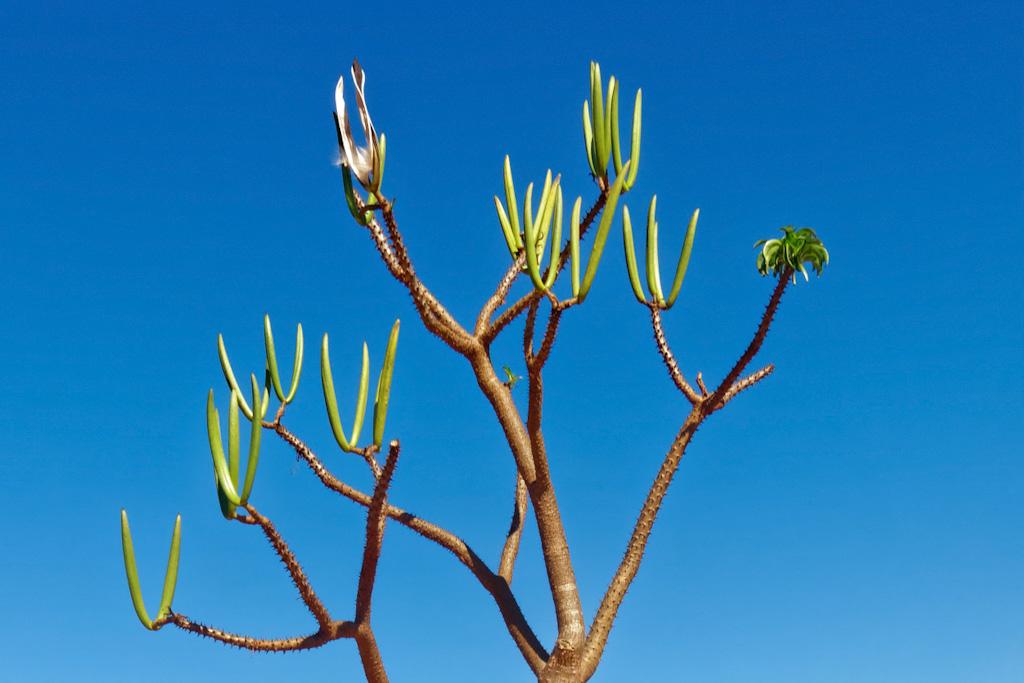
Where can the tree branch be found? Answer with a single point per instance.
(530, 647)
(557, 559)
(498, 298)
(507, 316)
(670, 361)
(375, 519)
(323, 618)
(515, 531)
(716, 399)
(602, 624)
(333, 631)
(745, 383)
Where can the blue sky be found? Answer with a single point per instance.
(167, 176)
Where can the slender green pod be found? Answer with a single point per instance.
(330, 399)
(545, 215)
(533, 262)
(574, 246)
(602, 233)
(510, 202)
(254, 446)
(233, 438)
(531, 233)
(364, 386)
(614, 128)
(653, 270)
(588, 137)
(627, 239)
(528, 227)
(296, 366)
(684, 260)
(229, 375)
(556, 240)
(268, 339)
(133, 573)
(227, 508)
(613, 85)
(171, 576)
(378, 166)
(634, 151)
(506, 227)
(597, 113)
(546, 202)
(220, 466)
(380, 404)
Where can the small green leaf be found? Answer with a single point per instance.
(512, 378)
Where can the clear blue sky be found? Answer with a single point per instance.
(166, 175)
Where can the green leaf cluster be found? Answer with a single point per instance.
(792, 251)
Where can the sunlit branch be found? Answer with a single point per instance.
(602, 624)
(745, 383)
(333, 631)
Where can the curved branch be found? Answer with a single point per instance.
(515, 531)
(333, 631)
(670, 361)
(755, 343)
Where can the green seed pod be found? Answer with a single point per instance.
(602, 234)
(380, 405)
(627, 238)
(684, 260)
(329, 398)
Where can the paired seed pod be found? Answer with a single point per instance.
(170, 578)
(272, 376)
(226, 471)
(653, 267)
(380, 406)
